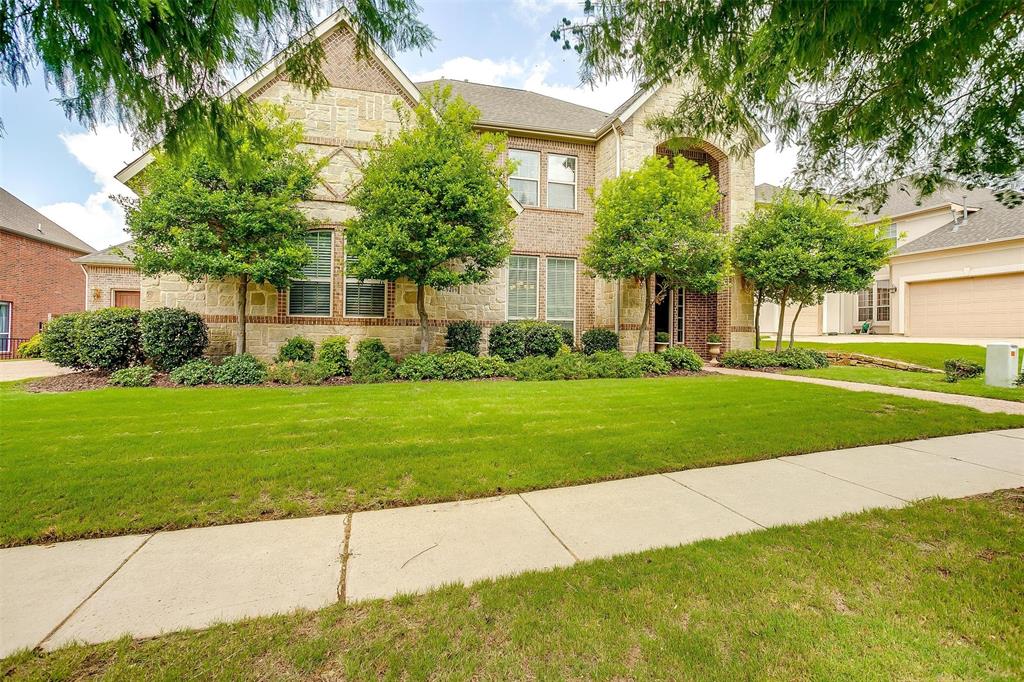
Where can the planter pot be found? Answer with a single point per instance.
(661, 346)
(714, 350)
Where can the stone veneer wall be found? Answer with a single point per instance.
(103, 280)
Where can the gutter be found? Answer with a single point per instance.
(1001, 240)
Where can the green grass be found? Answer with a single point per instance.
(931, 591)
(919, 380)
(926, 354)
(115, 461)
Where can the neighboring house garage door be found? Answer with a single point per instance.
(968, 307)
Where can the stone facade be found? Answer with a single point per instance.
(362, 102)
(103, 281)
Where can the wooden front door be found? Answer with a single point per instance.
(127, 299)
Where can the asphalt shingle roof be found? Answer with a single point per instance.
(991, 222)
(112, 255)
(18, 217)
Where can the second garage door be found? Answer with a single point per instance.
(968, 307)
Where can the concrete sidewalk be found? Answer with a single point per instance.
(14, 370)
(981, 404)
(144, 585)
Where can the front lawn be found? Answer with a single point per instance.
(930, 591)
(926, 354)
(920, 380)
(114, 461)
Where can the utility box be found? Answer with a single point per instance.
(1001, 363)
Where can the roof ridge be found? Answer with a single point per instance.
(508, 87)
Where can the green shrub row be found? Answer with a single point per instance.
(33, 348)
(603, 364)
(791, 358)
(595, 340)
(512, 341)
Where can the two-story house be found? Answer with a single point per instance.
(564, 153)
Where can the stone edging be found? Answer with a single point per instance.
(843, 358)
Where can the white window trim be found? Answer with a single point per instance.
(330, 283)
(888, 290)
(5, 340)
(549, 182)
(547, 275)
(353, 280)
(536, 288)
(540, 160)
(680, 330)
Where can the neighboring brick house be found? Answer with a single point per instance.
(38, 279)
(111, 279)
(564, 151)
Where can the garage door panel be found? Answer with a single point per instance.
(971, 306)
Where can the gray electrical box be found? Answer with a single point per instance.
(1001, 362)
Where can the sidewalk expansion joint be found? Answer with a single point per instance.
(957, 459)
(845, 480)
(550, 530)
(718, 502)
(345, 553)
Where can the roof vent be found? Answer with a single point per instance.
(39, 228)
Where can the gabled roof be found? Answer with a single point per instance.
(903, 198)
(503, 107)
(992, 222)
(19, 218)
(119, 254)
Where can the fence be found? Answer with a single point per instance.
(9, 346)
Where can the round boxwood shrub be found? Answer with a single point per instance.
(33, 348)
(334, 353)
(194, 373)
(60, 341)
(651, 363)
(172, 336)
(139, 375)
(680, 357)
(595, 340)
(507, 341)
(296, 349)
(542, 339)
(459, 366)
(240, 370)
(463, 336)
(373, 364)
(492, 366)
(420, 367)
(109, 338)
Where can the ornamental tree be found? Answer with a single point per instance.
(433, 203)
(799, 248)
(200, 216)
(659, 221)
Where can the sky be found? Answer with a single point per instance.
(67, 171)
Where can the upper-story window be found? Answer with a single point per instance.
(525, 180)
(311, 295)
(561, 181)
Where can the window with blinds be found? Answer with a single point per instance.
(561, 292)
(561, 181)
(364, 298)
(522, 287)
(311, 295)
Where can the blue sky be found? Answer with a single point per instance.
(66, 171)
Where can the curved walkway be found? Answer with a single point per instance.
(144, 585)
(980, 404)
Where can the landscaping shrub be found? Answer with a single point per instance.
(109, 338)
(542, 338)
(802, 358)
(301, 372)
(613, 364)
(463, 336)
(507, 341)
(1020, 379)
(420, 367)
(60, 341)
(651, 363)
(295, 349)
(543, 368)
(194, 373)
(749, 359)
(662, 337)
(373, 363)
(240, 370)
(459, 366)
(792, 358)
(959, 368)
(334, 353)
(33, 348)
(172, 336)
(595, 340)
(681, 357)
(139, 375)
(492, 366)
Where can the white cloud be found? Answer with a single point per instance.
(605, 97)
(98, 220)
(486, 71)
(774, 165)
(531, 12)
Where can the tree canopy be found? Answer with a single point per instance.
(160, 67)
(659, 221)
(433, 203)
(799, 248)
(199, 216)
(869, 91)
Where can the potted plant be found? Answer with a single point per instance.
(661, 341)
(714, 347)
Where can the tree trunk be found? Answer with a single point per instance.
(758, 297)
(782, 319)
(241, 305)
(421, 308)
(792, 327)
(646, 318)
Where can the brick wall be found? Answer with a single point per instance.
(103, 281)
(39, 280)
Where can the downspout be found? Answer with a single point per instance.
(86, 272)
(618, 282)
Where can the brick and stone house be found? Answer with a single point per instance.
(38, 279)
(110, 278)
(565, 151)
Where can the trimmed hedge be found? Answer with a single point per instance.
(194, 373)
(420, 367)
(459, 366)
(507, 341)
(463, 336)
(373, 364)
(543, 339)
(613, 364)
(240, 370)
(959, 368)
(595, 340)
(491, 366)
(681, 357)
(109, 338)
(139, 375)
(334, 352)
(60, 341)
(516, 340)
(652, 363)
(172, 336)
(295, 349)
(791, 358)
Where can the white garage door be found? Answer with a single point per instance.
(970, 307)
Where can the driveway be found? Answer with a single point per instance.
(12, 370)
(893, 338)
